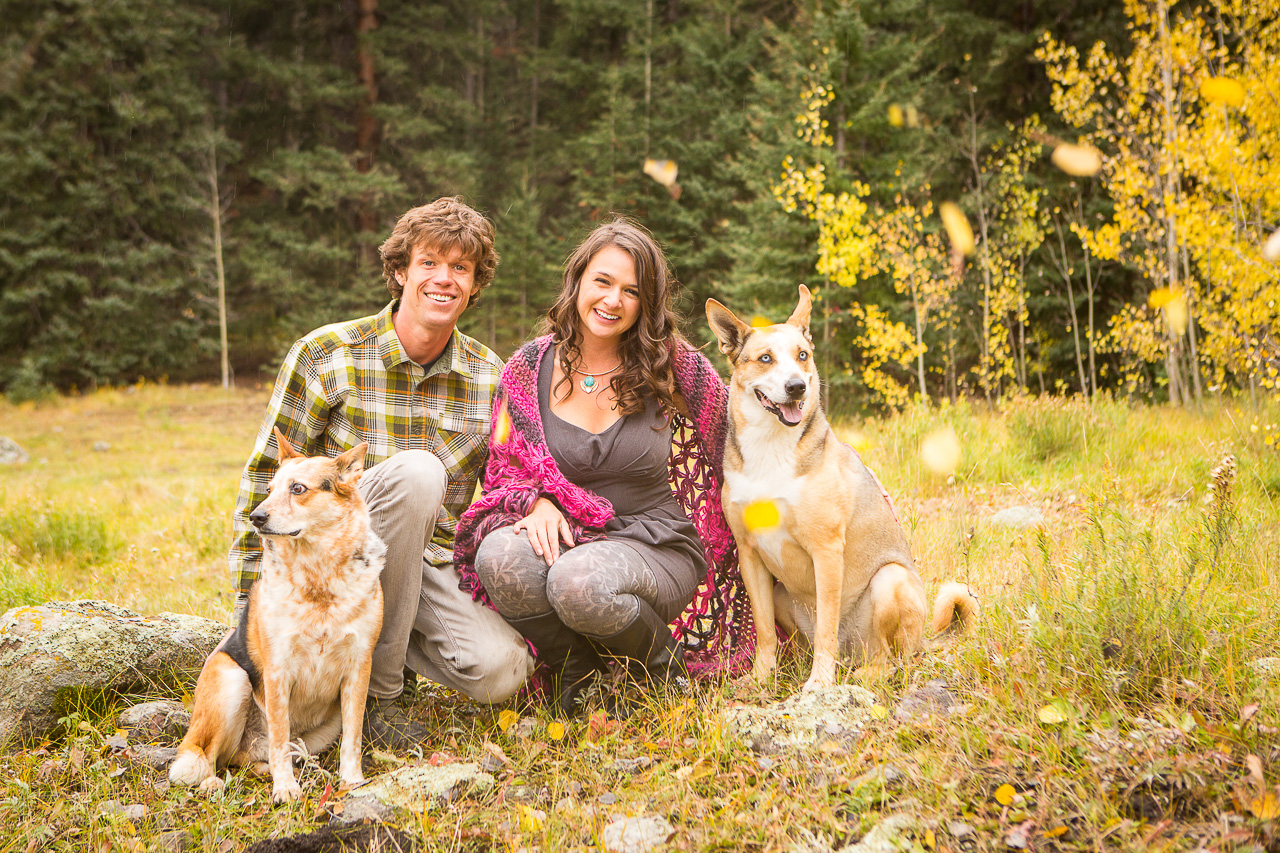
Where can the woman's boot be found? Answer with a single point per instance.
(571, 658)
(647, 641)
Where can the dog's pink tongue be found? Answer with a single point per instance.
(790, 412)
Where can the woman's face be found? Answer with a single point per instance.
(608, 296)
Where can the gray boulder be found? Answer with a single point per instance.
(11, 453)
(1019, 517)
(52, 652)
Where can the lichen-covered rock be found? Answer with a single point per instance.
(424, 787)
(160, 719)
(635, 834)
(802, 720)
(11, 453)
(51, 653)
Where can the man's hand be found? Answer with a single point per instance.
(546, 526)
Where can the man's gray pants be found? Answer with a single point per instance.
(428, 623)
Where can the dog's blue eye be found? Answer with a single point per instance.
(804, 356)
(766, 359)
(297, 489)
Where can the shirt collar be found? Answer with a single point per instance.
(451, 359)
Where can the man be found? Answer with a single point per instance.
(419, 392)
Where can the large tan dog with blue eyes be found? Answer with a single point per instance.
(832, 564)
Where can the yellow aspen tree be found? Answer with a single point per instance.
(1189, 126)
(847, 244)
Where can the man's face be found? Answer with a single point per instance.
(438, 285)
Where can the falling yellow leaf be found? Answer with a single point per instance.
(662, 171)
(1222, 90)
(507, 719)
(502, 429)
(760, 321)
(896, 117)
(555, 730)
(940, 451)
(1174, 305)
(957, 225)
(1271, 249)
(760, 515)
(1004, 794)
(1082, 161)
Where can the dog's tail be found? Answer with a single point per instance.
(191, 767)
(955, 605)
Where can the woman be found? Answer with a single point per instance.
(579, 540)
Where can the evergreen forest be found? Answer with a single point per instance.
(989, 198)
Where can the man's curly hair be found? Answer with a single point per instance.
(443, 225)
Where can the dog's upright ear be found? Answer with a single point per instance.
(728, 329)
(284, 450)
(800, 316)
(350, 465)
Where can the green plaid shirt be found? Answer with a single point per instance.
(352, 382)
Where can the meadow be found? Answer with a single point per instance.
(1120, 691)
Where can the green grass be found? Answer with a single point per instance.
(1109, 681)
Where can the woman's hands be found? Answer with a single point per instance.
(546, 526)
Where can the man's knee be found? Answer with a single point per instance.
(414, 471)
(493, 673)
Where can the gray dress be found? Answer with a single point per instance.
(627, 465)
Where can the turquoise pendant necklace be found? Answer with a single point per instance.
(588, 383)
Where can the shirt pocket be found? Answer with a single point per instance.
(463, 448)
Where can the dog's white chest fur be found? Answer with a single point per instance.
(767, 475)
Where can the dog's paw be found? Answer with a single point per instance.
(349, 782)
(762, 670)
(815, 683)
(285, 793)
(212, 786)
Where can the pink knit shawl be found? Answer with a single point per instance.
(716, 627)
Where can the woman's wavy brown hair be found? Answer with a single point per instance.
(647, 346)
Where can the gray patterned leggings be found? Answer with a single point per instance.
(594, 588)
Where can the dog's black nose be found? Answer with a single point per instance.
(259, 517)
(794, 388)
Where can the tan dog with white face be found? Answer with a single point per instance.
(296, 668)
(836, 567)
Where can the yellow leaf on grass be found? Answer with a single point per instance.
(879, 712)
(1055, 832)
(531, 819)
(507, 719)
(957, 225)
(1004, 794)
(760, 515)
(1222, 90)
(1053, 714)
(930, 840)
(555, 730)
(1265, 808)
